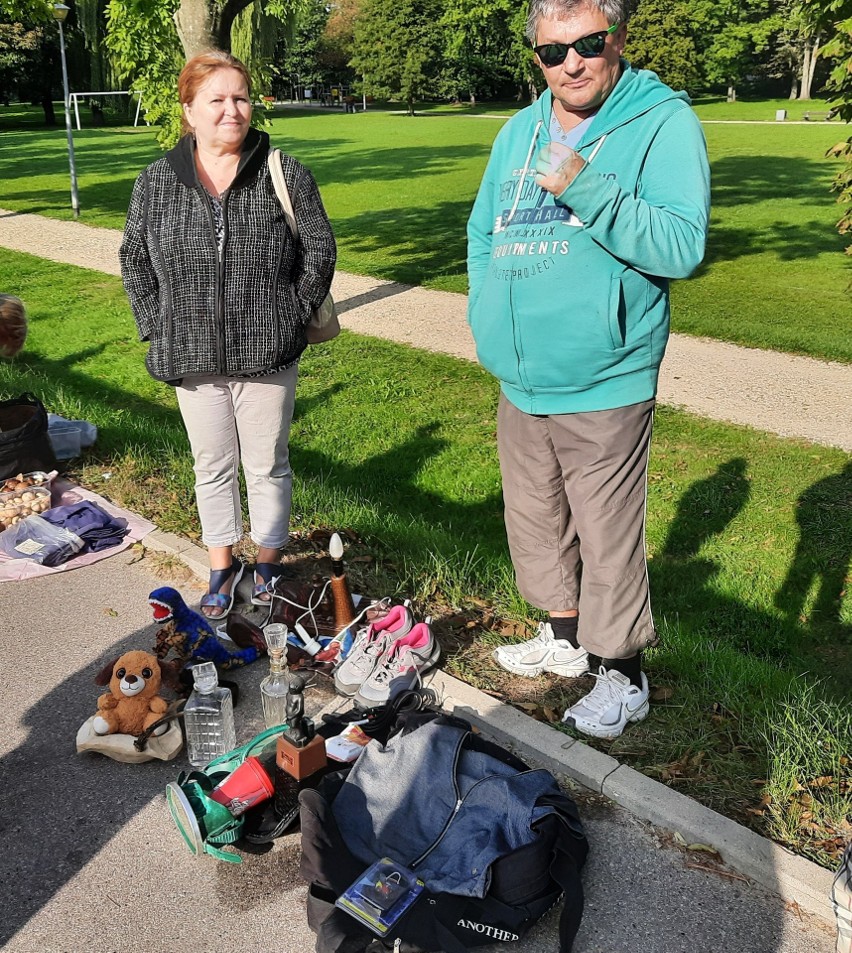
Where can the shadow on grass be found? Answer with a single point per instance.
(407, 240)
(682, 579)
(823, 553)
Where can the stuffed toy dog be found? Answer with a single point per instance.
(132, 703)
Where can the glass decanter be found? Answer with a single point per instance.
(275, 687)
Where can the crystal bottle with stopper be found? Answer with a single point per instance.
(208, 717)
(275, 687)
(344, 607)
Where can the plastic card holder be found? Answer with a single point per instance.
(381, 895)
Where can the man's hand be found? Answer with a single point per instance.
(556, 167)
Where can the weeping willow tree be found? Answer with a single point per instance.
(90, 17)
(254, 37)
(150, 40)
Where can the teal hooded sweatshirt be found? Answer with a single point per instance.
(569, 295)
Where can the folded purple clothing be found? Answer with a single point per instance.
(90, 522)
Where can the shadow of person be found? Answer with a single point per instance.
(823, 553)
(681, 579)
(706, 509)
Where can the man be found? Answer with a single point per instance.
(593, 198)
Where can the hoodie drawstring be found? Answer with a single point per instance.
(522, 179)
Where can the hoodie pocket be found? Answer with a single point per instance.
(617, 313)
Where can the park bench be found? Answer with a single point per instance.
(816, 115)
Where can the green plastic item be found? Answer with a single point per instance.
(204, 824)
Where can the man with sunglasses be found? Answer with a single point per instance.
(593, 198)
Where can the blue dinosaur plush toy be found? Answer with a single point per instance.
(190, 635)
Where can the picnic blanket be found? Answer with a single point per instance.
(64, 493)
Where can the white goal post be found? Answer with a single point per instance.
(76, 97)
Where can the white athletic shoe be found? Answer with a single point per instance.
(543, 653)
(609, 706)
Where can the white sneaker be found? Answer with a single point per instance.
(543, 653)
(609, 706)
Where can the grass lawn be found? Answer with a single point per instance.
(399, 190)
(749, 539)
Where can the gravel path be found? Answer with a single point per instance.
(779, 393)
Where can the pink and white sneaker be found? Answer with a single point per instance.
(401, 667)
(370, 646)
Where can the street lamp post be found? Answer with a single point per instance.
(60, 12)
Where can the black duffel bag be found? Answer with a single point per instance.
(24, 444)
(522, 883)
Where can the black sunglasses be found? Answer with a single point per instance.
(553, 54)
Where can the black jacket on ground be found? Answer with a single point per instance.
(240, 311)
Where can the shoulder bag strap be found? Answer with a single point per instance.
(281, 190)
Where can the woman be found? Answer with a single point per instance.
(222, 292)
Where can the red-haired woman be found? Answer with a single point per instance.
(222, 292)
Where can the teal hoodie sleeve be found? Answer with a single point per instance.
(662, 229)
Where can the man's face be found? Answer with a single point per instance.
(581, 85)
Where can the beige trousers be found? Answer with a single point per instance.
(228, 421)
(575, 490)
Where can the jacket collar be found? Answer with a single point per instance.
(252, 156)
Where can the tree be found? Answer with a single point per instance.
(477, 37)
(19, 46)
(835, 18)
(659, 38)
(149, 40)
(29, 54)
(398, 48)
(303, 61)
(796, 49)
(730, 35)
(338, 39)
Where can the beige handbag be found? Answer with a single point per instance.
(323, 325)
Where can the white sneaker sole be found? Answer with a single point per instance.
(374, 698)
(576, 670)
(609, 732)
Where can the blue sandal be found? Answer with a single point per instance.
(223, 602)
(269, 574)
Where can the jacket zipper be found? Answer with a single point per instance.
(220, 298)
(459, 802)
(220, 275)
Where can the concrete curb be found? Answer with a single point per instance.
(778, 870)
(792, 877)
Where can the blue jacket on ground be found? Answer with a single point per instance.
(569, 295)
(448, 812)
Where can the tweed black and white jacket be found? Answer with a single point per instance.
(236, 310)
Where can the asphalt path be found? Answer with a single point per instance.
(93, 864)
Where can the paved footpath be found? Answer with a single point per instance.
(779, 393)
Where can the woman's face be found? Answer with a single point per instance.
(220, 114)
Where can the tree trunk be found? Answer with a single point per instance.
(49, 112)
(203, 25)
(794, 88)
(732, 93)
(808, 68)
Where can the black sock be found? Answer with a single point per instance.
(629, 667)
(565, 627)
